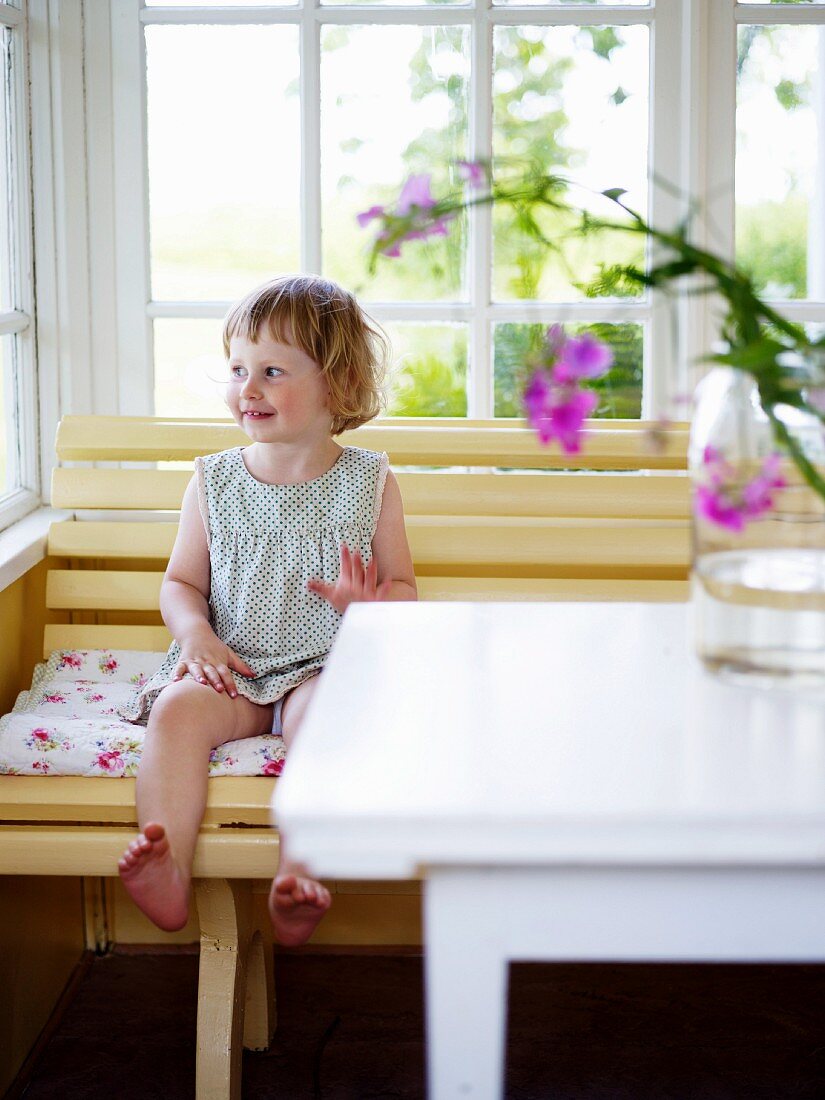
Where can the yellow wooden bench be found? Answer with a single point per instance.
(490, 515)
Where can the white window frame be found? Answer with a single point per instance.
(692, 147)
(20, 376)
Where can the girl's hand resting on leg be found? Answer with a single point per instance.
(356, 584)
(205, 657)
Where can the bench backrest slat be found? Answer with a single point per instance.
(608, 444)
(657, 494)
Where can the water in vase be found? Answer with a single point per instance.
(762, 612)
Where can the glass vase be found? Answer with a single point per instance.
(758, 562)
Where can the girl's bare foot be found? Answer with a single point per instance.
(153, 879)
(296, 905)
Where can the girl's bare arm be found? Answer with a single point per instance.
(390, 548)
(184, 593)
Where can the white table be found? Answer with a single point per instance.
(572, 785)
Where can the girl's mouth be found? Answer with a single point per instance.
(258, 416)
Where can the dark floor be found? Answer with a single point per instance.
(351, 1028)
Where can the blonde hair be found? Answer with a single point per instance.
(327, 324)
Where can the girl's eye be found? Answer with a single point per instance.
(235, 371)
(277, 371)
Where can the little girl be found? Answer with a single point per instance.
(276, 539)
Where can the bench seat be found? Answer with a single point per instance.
(67, 724)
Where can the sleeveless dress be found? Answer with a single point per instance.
(265, 542)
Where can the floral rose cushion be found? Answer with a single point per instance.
(67, 724)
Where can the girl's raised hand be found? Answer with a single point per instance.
(206, 658)
(356, 584)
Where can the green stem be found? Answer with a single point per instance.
(805, 467)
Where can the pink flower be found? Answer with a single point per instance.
(558, 412)
(41, 766)
(272, 767)
(722, 500)
(415, 193)
(556, 405)
(109, 761)
(56, 698)
(366, 216)
(70, 660)
(581, 357)
(473, 172)
(41, 734)
(415, 197)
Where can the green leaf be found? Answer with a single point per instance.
(604, 40)
(790, 95)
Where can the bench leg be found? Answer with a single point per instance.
(232, 952)
(260, 1015)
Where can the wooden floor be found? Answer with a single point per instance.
(351, 1028)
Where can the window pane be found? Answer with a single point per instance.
(224, 158)
(429, 371)
(397, 3)
(7, 294)
(219, 3)
(601, 3)
(189, 368)
(516, 348)
(393, 104)
(6, 404)
(818, 3)
(575, 99)
(780, 167)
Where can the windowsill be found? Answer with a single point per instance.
(23, 544)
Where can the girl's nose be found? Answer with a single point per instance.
(250, 387)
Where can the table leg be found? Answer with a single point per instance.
(466, 987)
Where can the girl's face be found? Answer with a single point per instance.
(276, 393)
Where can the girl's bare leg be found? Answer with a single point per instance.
(297, 902)
(186, 722)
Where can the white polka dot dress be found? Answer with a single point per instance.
(265, 542)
